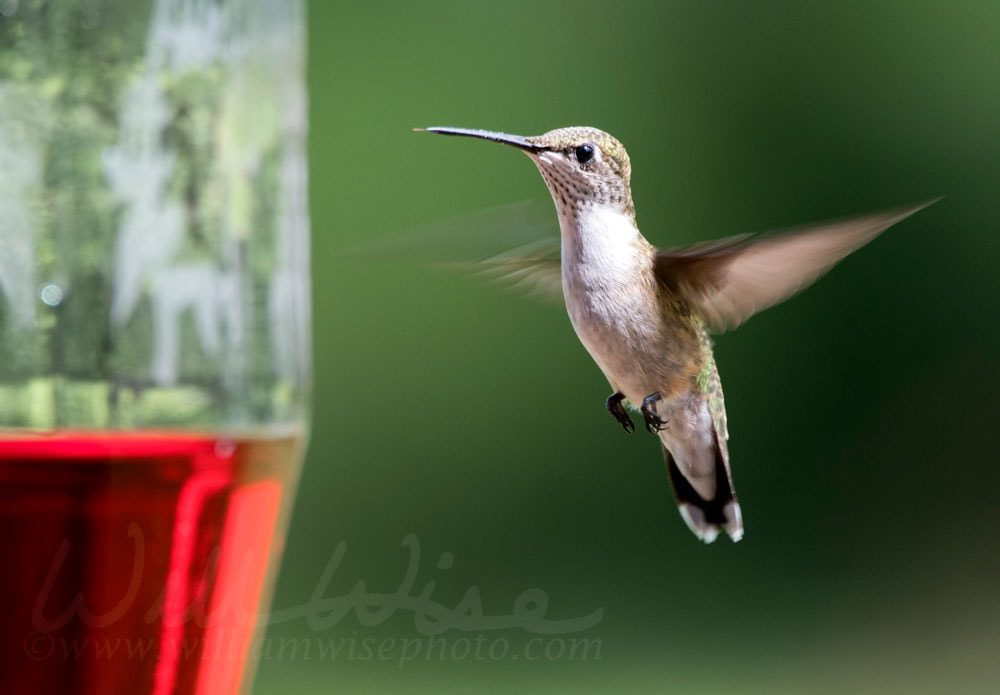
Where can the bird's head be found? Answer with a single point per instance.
(582, 166)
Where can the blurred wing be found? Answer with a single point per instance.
(534, 268)
(728, 281)
(467, 236)
(516, 245)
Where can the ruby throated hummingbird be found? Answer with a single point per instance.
(645, 314)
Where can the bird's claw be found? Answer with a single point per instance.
(615, 407)
(654, 423)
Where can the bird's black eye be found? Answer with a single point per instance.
(584, 153)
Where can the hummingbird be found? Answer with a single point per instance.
(645, 314)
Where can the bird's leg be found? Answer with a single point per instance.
(615, 407)
(654, 423)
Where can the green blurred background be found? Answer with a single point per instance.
(862, 414)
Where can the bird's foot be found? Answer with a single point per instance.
(615, 407)
(654, 423)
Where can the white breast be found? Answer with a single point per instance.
(602, 257)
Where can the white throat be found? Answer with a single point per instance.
(602, 276)
(598, 241)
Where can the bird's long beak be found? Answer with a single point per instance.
(517, 141)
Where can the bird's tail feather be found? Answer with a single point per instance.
(706, 518)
